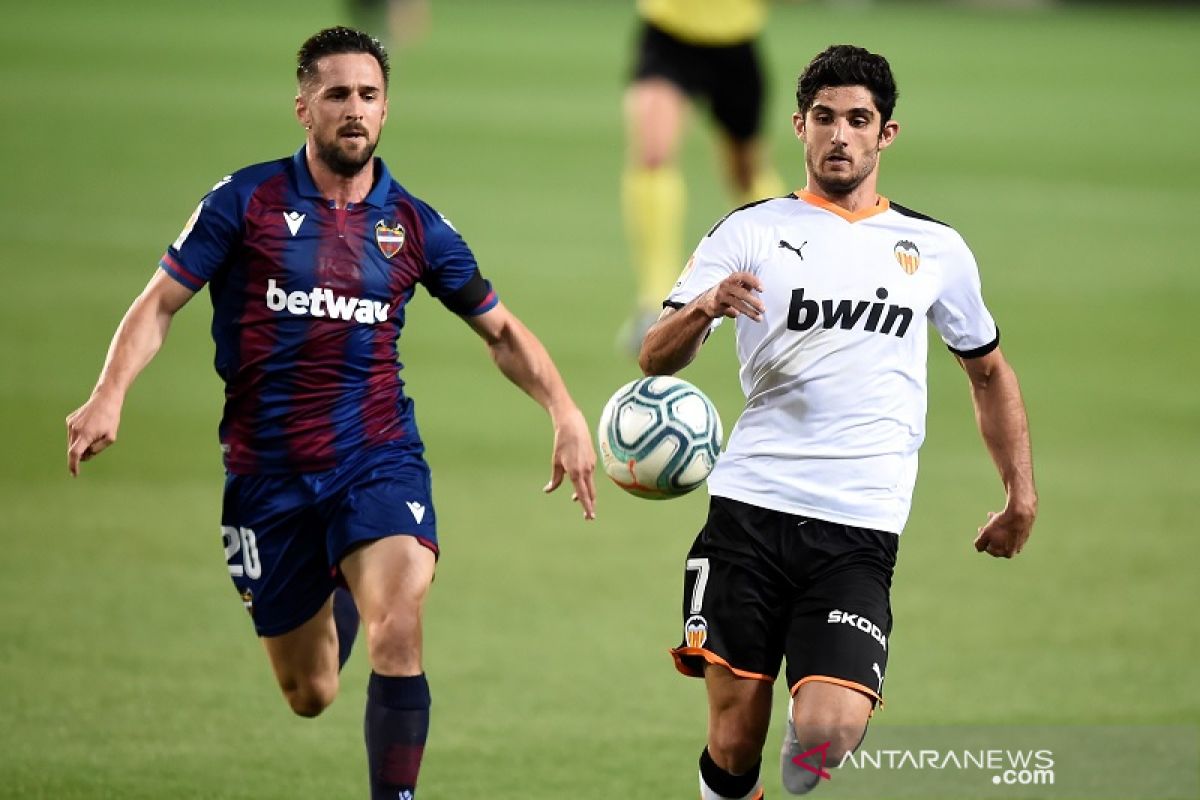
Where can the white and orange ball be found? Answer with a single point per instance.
(659, 437)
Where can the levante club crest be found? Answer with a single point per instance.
(390, 238)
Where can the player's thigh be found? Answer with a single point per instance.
(383, 539)
(735, 608)
(275, 550)
(390, 580)
(656, 112)
(379, 493)
(736, 90)
(828, 712)
(305, 662)
(842, 618)
(389, 576)
(739, 712)
(666, 73)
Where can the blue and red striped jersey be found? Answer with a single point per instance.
(308, 305)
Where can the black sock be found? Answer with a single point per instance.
(345, 619)
(396, 725)
(724, 783)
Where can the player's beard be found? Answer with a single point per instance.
(840, 185)
(343, 163)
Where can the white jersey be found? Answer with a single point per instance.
(835, 372)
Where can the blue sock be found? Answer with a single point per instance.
(345, 619)
(396, 725)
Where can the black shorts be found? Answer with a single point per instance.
(727, 77)
(761, 585)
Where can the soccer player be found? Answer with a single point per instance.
(829, 289)
(311, 261)
(688, 50)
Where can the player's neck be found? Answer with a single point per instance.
(337, 188)
(860, 197)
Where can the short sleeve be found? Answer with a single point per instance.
(453, 274)
(207, 238)
(959, 313)
(722, 252)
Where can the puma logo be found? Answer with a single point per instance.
(784, 245)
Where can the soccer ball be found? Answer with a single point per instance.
(659, 437)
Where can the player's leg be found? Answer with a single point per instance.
(739, 712)
(305, 662)
(837, 644)
(390, 579)
(826, 721)
(738, 94)
(345, 621)
(653, 195)
(274, 549)
(383, 537)
(735, 616)
(748, 170)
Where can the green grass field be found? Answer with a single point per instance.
(1060, 143)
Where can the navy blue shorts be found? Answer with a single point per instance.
(285, 535)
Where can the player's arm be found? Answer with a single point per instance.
(525, 362)
(1000, 414)
(674, 340)
(93, 426)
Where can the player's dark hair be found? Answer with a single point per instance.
(847, 65)
(335, 41)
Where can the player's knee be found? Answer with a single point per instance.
(735, 751)
(834, 740)
(309, 697)
(394, 643)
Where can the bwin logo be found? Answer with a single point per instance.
(804, 314)
(321, 302)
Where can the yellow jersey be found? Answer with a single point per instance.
(706, 22)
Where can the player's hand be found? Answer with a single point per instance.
(574, 457)
(734, 296)
(1004, 534)
(91, 428)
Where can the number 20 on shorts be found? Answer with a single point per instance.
(241, 540)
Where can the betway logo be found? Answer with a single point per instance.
(321, 302)
(804, 314)
(862, 623)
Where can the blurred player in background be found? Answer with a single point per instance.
(830, 288)
(396, 23)
(687, 50)
(311, 261)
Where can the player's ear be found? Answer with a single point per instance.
(798, 125)
(887, 134)
(302, 113)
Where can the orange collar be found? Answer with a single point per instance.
(881, 205)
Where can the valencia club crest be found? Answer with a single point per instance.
(390, 238)
(907, 255)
